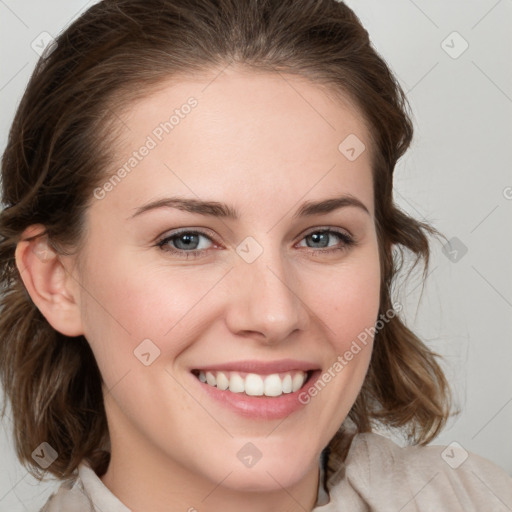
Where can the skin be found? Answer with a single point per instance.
(262, 143)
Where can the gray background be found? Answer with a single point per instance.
(457, 175)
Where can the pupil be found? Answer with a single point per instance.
(187, 239)
(317, 237)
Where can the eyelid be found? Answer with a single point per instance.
(178, 231)
(347, 240)
(333, 229)
(210, 234)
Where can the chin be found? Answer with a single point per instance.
(269, 473)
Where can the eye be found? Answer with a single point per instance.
(185, 243)
(189, 244)
(320, 238)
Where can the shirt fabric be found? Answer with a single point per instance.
(377, 475)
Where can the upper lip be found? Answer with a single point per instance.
(261, 367)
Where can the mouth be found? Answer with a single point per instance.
(255, 384)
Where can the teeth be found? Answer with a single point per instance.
(210, 379)
(236, 384)
(222, 380)
(297, 382)
(253, 384)
(273, 385)
(287, 384)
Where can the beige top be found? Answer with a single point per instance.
(377, 476)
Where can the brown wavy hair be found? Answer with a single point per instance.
(59, 148)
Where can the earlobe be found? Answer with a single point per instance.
(49, 283)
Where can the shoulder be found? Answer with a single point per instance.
(84, 492)
(379, 473)
(69, 497)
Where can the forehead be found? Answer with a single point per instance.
(237, 132)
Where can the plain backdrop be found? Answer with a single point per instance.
(453, 59)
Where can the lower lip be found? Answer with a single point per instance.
(260, 407)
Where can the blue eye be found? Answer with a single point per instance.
(187, 240)
(322, 237)
(187, 243)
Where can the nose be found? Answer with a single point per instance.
(266, 303)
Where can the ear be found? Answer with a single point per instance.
(49, 282)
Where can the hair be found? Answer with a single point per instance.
(60, 145)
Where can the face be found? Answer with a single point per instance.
(256, 300)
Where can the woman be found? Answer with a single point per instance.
(198, 251)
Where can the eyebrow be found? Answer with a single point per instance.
(217, 209)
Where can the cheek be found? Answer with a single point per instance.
(349, 302)
(125, 302)
(348, 308)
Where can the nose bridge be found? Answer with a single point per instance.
(265, 299)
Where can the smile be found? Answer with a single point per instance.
(259, 390)
(253, 384)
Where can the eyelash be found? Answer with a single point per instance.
(348, 241)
